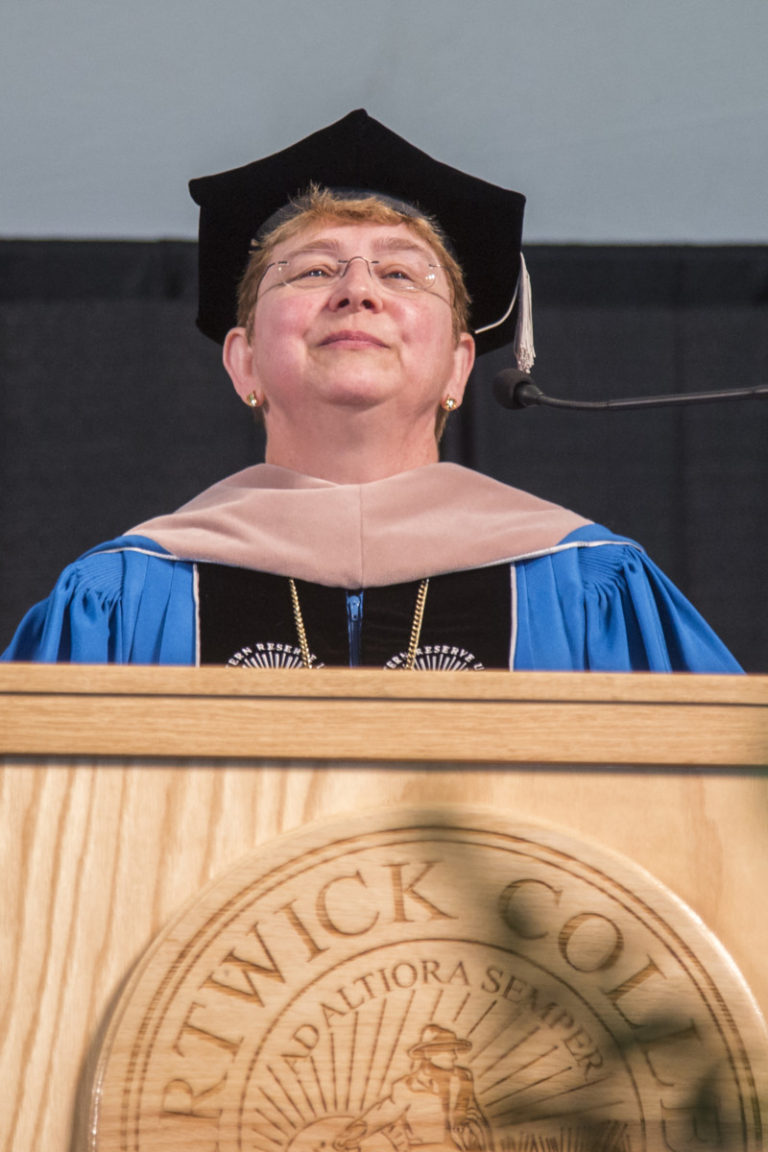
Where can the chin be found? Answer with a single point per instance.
(356, 401)
(358, 393)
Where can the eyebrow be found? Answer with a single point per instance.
(383, 244)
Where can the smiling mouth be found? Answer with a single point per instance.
(352, 338)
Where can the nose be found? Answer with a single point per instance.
(357, 287)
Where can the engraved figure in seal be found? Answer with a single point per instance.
(433, 1107)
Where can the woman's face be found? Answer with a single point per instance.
(354, 344)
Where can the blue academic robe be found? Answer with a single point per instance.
(594, 602)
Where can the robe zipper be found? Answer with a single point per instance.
(354, 626)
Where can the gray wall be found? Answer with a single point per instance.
(622, 122)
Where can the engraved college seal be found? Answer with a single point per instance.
(439, 982)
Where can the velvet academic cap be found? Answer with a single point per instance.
(483, 223)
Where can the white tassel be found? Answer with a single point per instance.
(525, 353)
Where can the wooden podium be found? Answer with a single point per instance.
(125, 790)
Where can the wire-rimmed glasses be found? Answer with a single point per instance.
(400, 272)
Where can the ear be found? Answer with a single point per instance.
(463, 361)
(237, 356)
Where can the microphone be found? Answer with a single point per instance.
(514, 389)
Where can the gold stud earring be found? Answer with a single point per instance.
(448, 404)
(254, 401)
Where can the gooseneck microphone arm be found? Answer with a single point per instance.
(514, 389)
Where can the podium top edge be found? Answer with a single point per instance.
(361, 684)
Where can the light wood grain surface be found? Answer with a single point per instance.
(124, 791)
(338, 714)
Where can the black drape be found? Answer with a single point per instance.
(115, 408)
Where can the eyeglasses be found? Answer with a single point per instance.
(402, 272)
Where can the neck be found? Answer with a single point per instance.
(351, 454)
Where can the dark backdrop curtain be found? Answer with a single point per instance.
(115, 408)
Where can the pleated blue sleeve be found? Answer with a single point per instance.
(599, 604)
(125, 602)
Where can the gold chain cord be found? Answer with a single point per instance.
(418, 617)
(306, 659)
(413, 642)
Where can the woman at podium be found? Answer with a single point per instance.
(351, 279)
